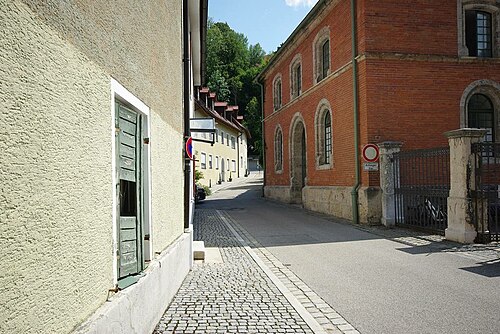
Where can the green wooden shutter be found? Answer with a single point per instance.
(129, 143)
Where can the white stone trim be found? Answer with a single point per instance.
(296, 61)
(278, 77)
(490, 6)
(278, 170)
(322, 36)
(323, 107)
(489, 88)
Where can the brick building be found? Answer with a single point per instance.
(358, 72)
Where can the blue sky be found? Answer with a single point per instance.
(267, 22)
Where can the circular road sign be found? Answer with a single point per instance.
(189, 147)
(370, 152)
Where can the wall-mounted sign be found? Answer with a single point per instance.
(370, 166)
(370, 153)
(189, 148)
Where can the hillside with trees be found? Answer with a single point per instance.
(232, 65)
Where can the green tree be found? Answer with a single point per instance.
(232, 65)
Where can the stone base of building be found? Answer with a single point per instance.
(138, 308)
(280, 193)
(335, 201)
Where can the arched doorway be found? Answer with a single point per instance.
(298, 166)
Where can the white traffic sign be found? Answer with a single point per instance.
(370, 152)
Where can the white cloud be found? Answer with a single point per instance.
(297, 3)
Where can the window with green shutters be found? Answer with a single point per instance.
(129, 143)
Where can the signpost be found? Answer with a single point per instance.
(203, 129)
(370, 155)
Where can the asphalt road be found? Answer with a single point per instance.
(377, 284)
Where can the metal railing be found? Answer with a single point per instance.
(484, 191)
(422, 186)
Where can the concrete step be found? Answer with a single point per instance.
(199, 250)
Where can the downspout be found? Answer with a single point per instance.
(357, 184)
(238, 153)
(263, 132)
(187, 131)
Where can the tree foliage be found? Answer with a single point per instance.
(232, 65)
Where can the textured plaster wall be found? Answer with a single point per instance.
(139, 43)
(167, 183)
(55, 171)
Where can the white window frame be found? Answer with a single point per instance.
(480, 5)
(295, 83)
(119, 92)
(203, 160)
(321, 37)
(277, 93)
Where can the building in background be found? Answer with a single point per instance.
(226, 159)
(92, 224)
(360, 72)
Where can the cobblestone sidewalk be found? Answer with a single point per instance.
(236, 296)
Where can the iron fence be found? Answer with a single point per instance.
(485, 191)
(422, 186)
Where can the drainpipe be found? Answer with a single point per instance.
(238, 153)
(187, 131)
(263, 141)
(357, 184)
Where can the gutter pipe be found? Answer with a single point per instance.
(187, 130)
(357, 184)
(263, 132)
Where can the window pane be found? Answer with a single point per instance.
(328, 137)
(480, 112)
(471, 32)
(326, 59)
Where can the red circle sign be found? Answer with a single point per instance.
(370, 152)
(189, 147)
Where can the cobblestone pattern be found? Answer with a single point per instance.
(325, 315)
(231, 297)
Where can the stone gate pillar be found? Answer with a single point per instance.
(460, 222)
(387, 150)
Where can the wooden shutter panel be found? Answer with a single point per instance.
(129, 167)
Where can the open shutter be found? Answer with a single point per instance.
(129, 202)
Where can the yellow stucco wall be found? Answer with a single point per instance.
(223, 151)
(57, 59)
(167, 182)
(55, 194)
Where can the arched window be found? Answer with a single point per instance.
(324, 135)
(296, 76)
(328, 137)
(478, 28)
(278, 150)
(321, 54)
(481, 115)
(478, 33)
(277, 92)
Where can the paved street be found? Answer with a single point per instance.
(286, 270)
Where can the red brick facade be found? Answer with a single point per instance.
(412, 85)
